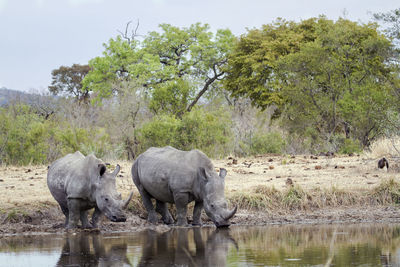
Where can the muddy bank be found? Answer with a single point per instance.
(51, 220)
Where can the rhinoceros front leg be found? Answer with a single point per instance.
(84, 219)
(198, 206)
(96, 217)
(162, 208)
(181, 200)
(73, 212)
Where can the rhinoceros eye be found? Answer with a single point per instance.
(106, 199)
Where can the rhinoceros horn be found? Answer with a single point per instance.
(126, 202)
(116, 171)
(231, 213)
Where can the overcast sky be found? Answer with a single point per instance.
(37, 36)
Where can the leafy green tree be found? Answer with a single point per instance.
(253, 64)
(68, 81)
(340, 82)
(334, 77)
(176, 66)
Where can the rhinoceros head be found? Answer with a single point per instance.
(108, 199)
(214, 202)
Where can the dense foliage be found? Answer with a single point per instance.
(175, 67)
(28, 138)
(330, 78)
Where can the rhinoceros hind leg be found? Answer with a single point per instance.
(181, 200)
(162, 208)
(152, 215)
(66, 213)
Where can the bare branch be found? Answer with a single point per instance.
(132, 35)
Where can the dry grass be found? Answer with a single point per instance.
(296, 198)
(257, 183)
(384, 147)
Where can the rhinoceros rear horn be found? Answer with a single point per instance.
(116, 171)
(231, 213)
(126, 202)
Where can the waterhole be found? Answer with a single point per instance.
(287, 245)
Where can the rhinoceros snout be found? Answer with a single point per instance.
(222, 224)
(118, 219)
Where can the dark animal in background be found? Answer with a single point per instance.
(382, 163)
(289, 182)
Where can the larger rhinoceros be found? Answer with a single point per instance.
(80, 183)
(170, 175)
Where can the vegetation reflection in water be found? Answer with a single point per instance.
(313, 245)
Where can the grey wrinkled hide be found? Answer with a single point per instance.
(169, 175)
(80, 183)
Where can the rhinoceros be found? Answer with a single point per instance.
(80, 183)
(169, 175)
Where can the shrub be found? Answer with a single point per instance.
(209, 132)
(160, 131)
(267, 143)
(23, 136)
(27, 138)
(350, 146)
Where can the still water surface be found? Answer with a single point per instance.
(312, 245)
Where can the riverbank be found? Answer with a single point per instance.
(267, 189)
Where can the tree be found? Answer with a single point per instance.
(326, 77)
(68, 81)
(175, 67)
(253, 64)
(392, 20)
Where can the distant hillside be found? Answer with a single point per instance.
(9, 95)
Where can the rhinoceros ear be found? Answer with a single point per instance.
(202, 174)
(102, 169)
(222, 173)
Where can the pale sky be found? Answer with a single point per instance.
(37, 36)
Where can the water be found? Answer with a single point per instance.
(290, 245)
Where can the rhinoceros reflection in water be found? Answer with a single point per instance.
(90, 250)
(174, 248)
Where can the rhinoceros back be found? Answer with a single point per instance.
(162, 171)
(60, 172)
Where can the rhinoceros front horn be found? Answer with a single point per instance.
(116, 171)
(126, 202)
(231, 213)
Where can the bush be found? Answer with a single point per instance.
(160, 131)
(23, 136)
(350, 146)
(27, 138)
(209, 132)
(68, 140)
(267, 143)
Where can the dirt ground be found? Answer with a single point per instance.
(26, 205)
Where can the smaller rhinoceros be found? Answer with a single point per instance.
(80, 183)
(170, 175)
